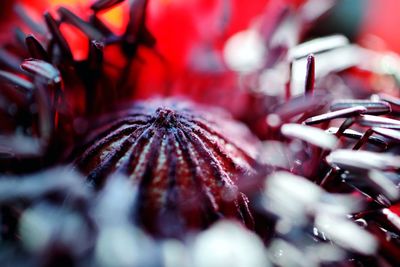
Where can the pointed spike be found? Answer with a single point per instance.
(314, 136)
(288, 85)
(100, 5)
(9, 60)
(20, 36)
(16, 80)
(136, 21)
(363, 140)
(95, 65)
(299, 105)
(310, 76)
(100, 26)
(343, 113)
(148, 39)
(373, 107)
(45, 111)
(367, 186)
(43, 69)
(21, 11)
(82, 25)
(349, 133)
(95, 55)
(57, 35)
(393, 134)
(385, 185)
(36, 50)
(344, 126)
(390, 99)
(379, 122)
(363, 160)
(318, 46)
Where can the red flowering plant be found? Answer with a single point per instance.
(194, 133)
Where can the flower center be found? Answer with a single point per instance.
(165, 117)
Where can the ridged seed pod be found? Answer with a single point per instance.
(186, 161)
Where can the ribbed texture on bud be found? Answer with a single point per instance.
(185, 160)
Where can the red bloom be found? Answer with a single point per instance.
(190, 37)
